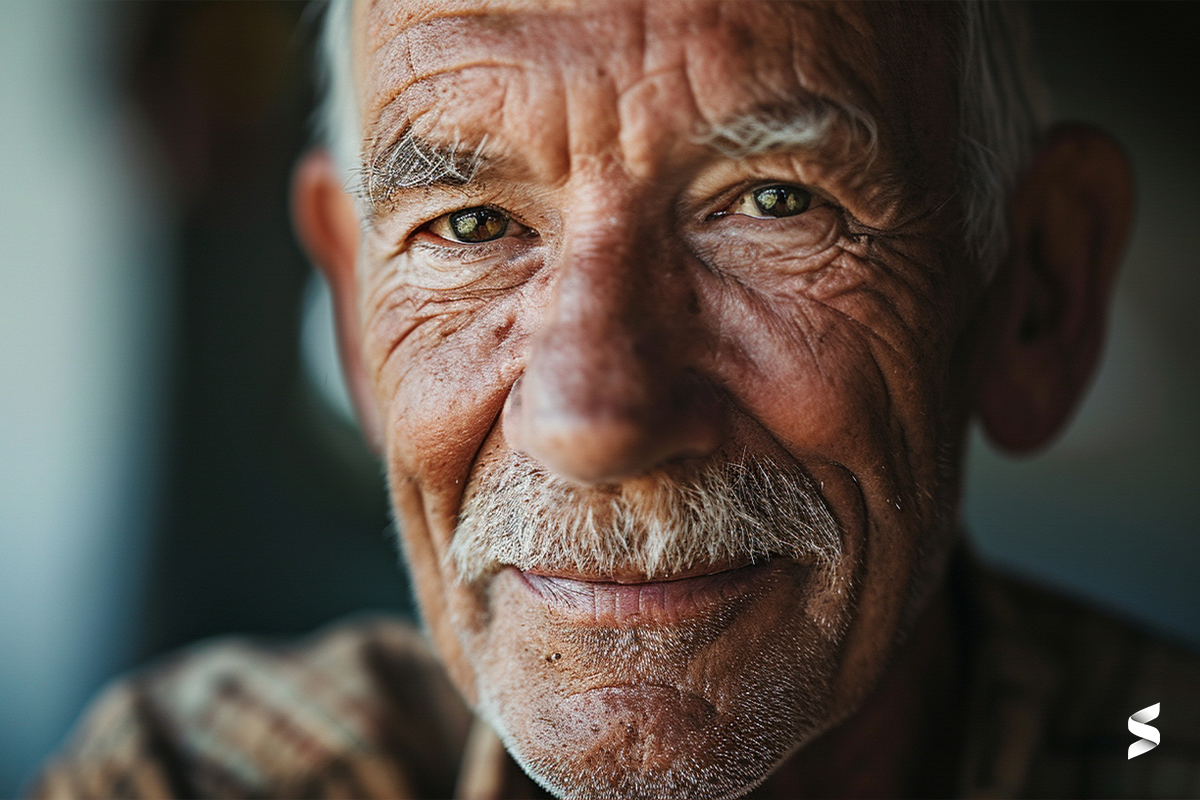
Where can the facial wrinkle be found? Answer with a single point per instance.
(618, 684)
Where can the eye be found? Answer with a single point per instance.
(772, 202)
(473, 225)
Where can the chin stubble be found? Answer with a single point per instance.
(517, 514)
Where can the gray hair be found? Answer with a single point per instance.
(339, 118)
(724, 513)
(1003, 112)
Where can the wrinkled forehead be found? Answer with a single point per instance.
(422, 60)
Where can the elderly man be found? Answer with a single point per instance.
(668, 321)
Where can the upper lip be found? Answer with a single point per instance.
(630, 576)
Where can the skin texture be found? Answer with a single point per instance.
(633, 325)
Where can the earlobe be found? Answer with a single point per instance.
(1047, 308)
(327, 225)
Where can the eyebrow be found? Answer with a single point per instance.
(809, 125)
(412, 162)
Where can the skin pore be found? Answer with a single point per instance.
(602, 301)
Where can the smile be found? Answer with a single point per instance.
(632, 602)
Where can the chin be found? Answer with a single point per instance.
(699, 691)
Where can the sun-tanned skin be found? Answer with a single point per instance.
(633, 323)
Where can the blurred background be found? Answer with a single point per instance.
(175, 458)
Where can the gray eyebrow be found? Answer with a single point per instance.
(807, 126)
(410, 162)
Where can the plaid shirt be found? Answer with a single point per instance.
(363, 710)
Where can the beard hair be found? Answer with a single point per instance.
(516, 513)
(725, 758)
(720, 513)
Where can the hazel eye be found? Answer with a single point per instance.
(772, 202)
(472, 225)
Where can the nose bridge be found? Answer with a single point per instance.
(606, 392)
(603, 315)
(603, 357)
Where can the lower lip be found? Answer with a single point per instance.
(656, 602)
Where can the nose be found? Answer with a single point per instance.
(608, 391)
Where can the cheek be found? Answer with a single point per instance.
(849, 385)
(442, 369)
(441, 372)
(797, 368)
(841, 368)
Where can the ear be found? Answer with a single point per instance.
(1047, 307)
(326, 224)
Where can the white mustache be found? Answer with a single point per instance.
(520, 515)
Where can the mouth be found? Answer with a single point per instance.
(628, 600)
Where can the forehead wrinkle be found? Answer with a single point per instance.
(455, 44)
(451, 45)
(431, 43)
(641, 46)
(408, 59)
(415, 101)
(409, 12)
(783, 93)
(646, 126)
(387, 18)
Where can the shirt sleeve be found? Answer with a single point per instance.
(114, 753)
(358, 710)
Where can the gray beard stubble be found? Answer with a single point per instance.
(518, 514)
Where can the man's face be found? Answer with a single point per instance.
(668, 404)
